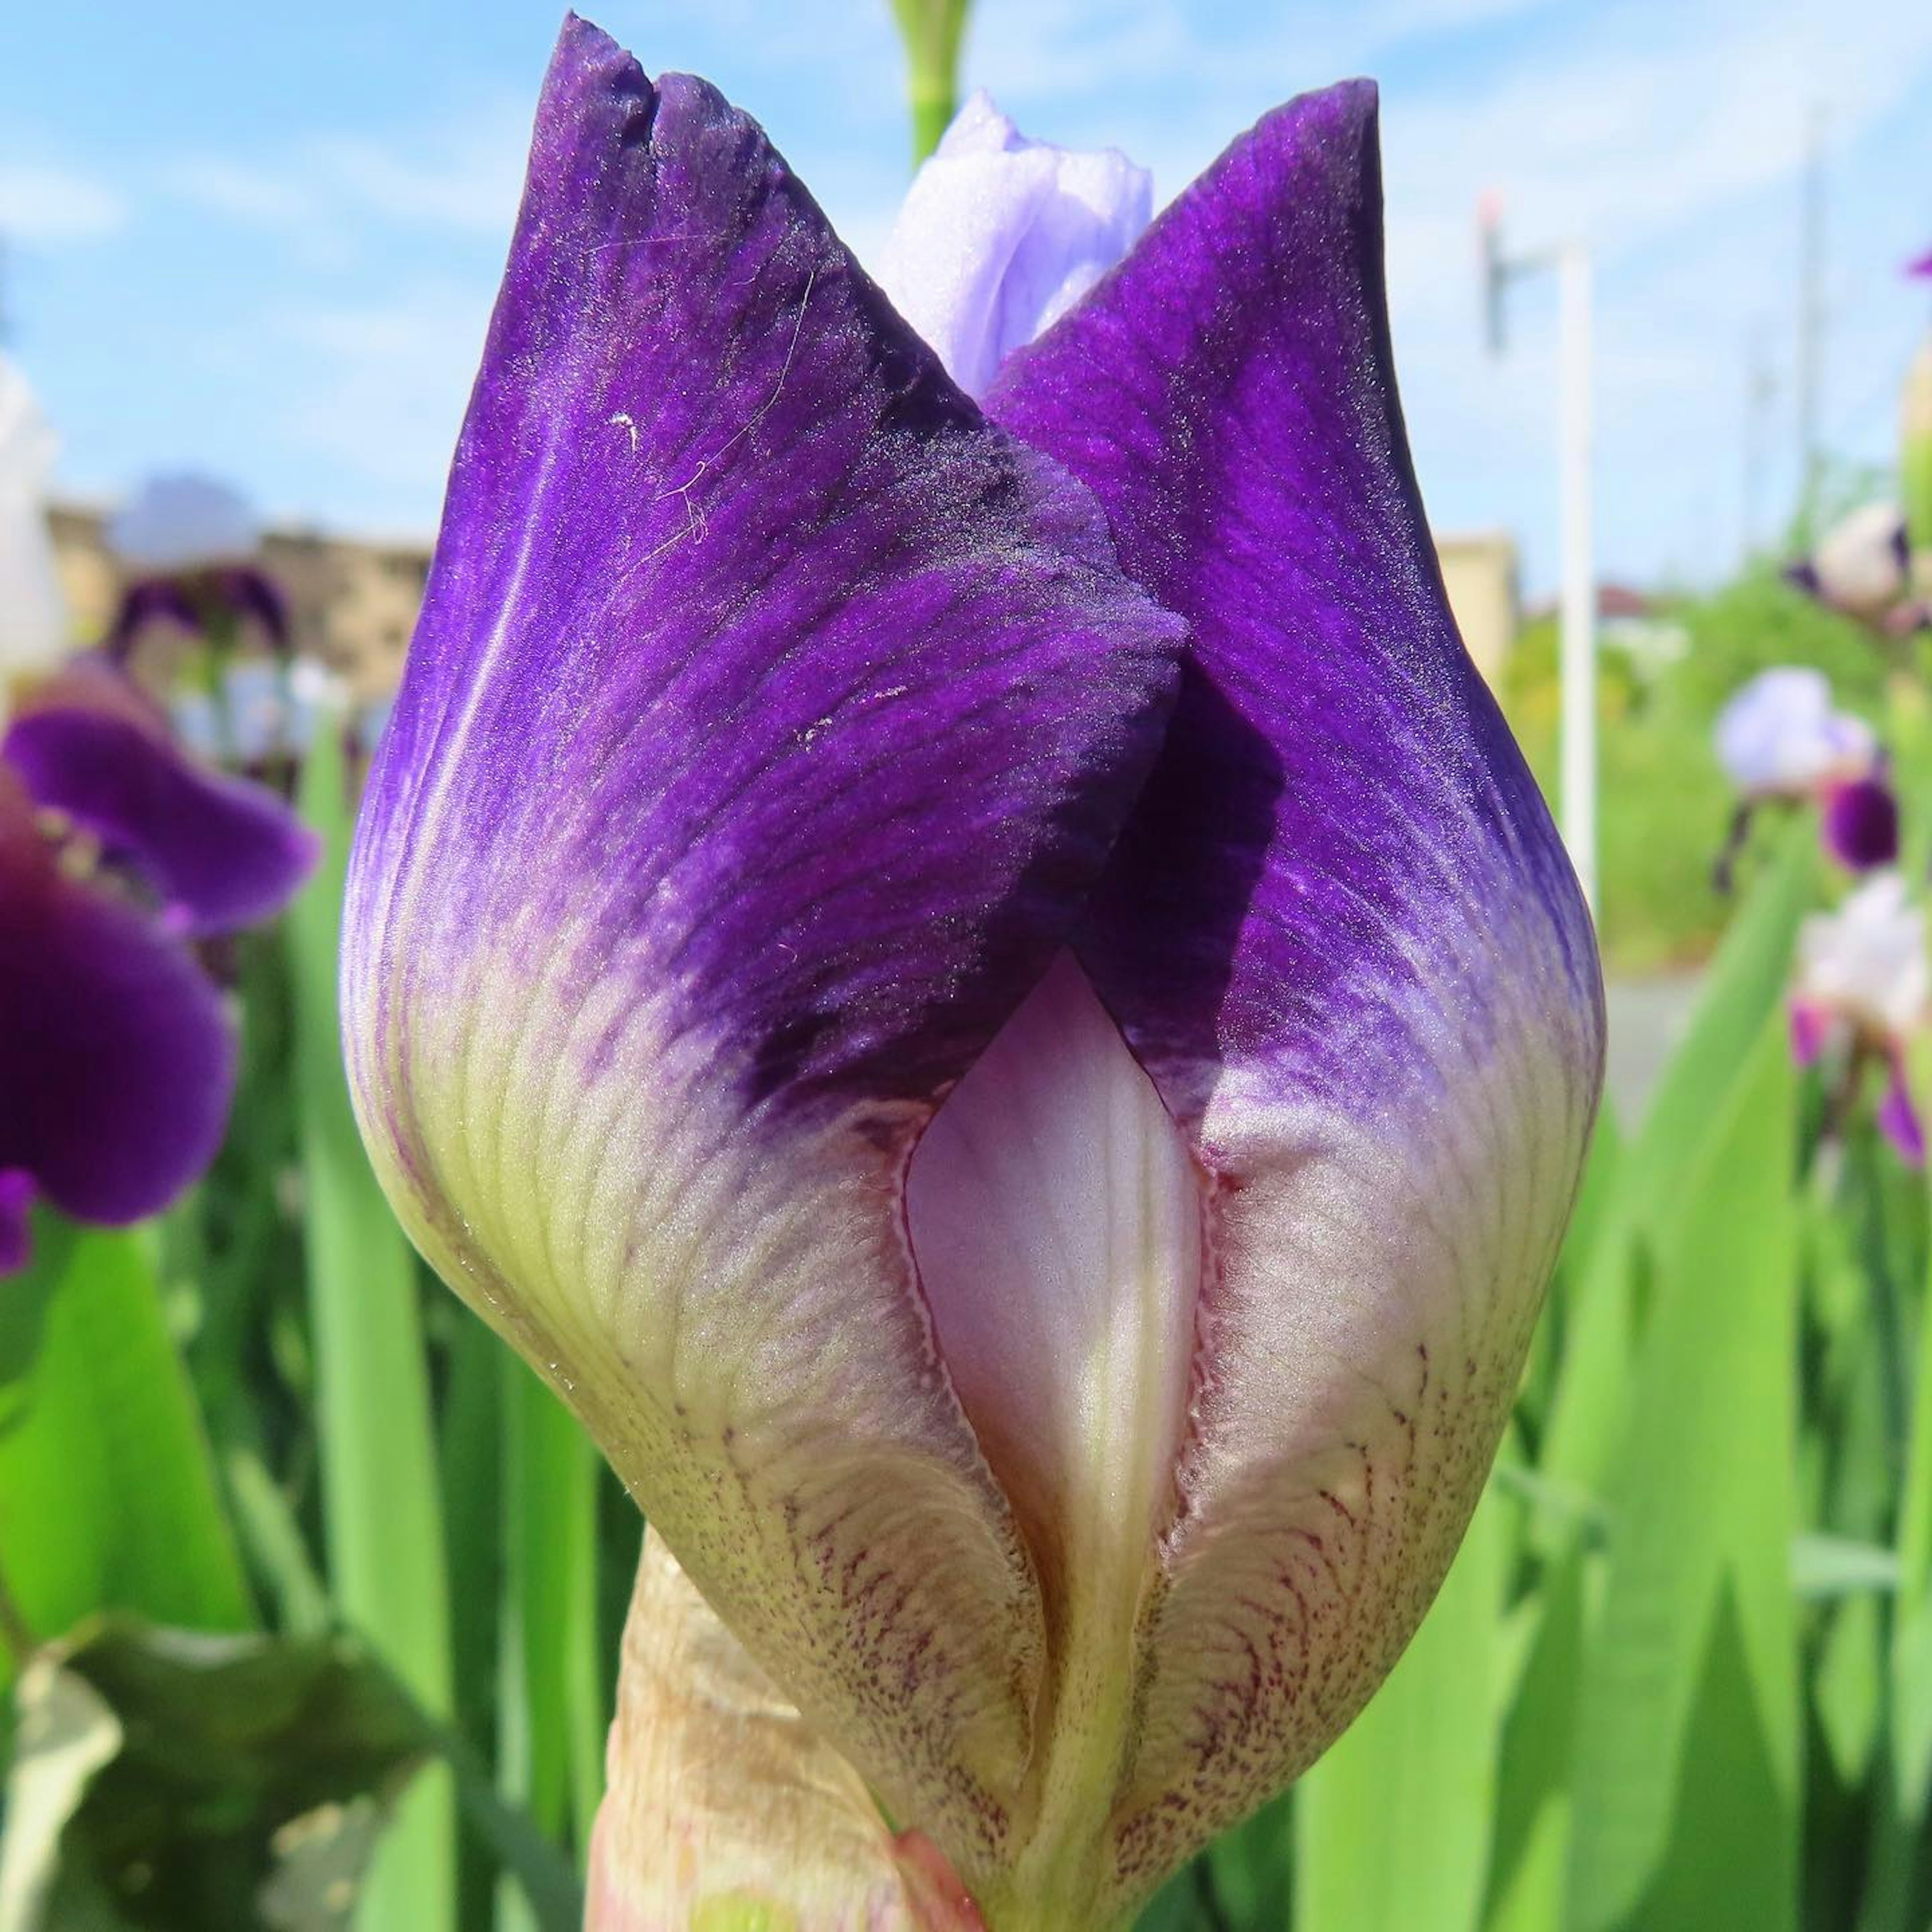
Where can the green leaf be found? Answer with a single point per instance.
(1687, 1757)
(1744, 986)
(1823, 1567)
(108, 1498)
(169, 1781)
(1393, 1824)
(381, 1494)
(1245, 1883)
(551, 1718)
(1534, 1794)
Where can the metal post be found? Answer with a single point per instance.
(1577, 764)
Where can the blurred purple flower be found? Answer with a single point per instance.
(1861, 568)
(188, 545)
(1780, 739)
(116, 853)
(1860, 823)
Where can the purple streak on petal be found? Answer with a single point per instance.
(1923, 266)
(1803, 576)
(770, 716)
(220, 852)
(1340, 933)
(18, 1191)
(116, 1059)
(1860, 824)
(148, 600)
(1898, 1119)
(1811, 1028)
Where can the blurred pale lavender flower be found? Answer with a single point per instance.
(1780, 739)
(1862, 993)
(188, 546)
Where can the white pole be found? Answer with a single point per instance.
(1577, 779)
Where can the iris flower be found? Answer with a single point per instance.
(117, 853)
(1781, 740)
(188, 544)
(982, 986)
(1863, 994)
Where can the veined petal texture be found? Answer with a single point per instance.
(770, 717)
(1342, 937)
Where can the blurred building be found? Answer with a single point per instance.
(353, 600)
(1479, 574)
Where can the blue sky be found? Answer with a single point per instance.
(262, 240)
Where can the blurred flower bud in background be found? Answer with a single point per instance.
(34, 622)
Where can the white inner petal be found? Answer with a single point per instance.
(1055, 1215)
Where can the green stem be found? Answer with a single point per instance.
(932, 30)
(380, 1494)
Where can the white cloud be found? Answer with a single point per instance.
(244, 194)
(381, 385)
(43, 203)
(462, 178)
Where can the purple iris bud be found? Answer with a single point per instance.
(985, 989)
(1779, 736)
(117, 1061)
(1860, 824)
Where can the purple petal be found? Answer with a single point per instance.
(252, 593)
(1812, 1027)
(1898, 1119)
(769, 717)
(1860, 824)
(1923, 266)
(18, 1193)
(219, 853)
(1342, 936)
(116, 1061)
